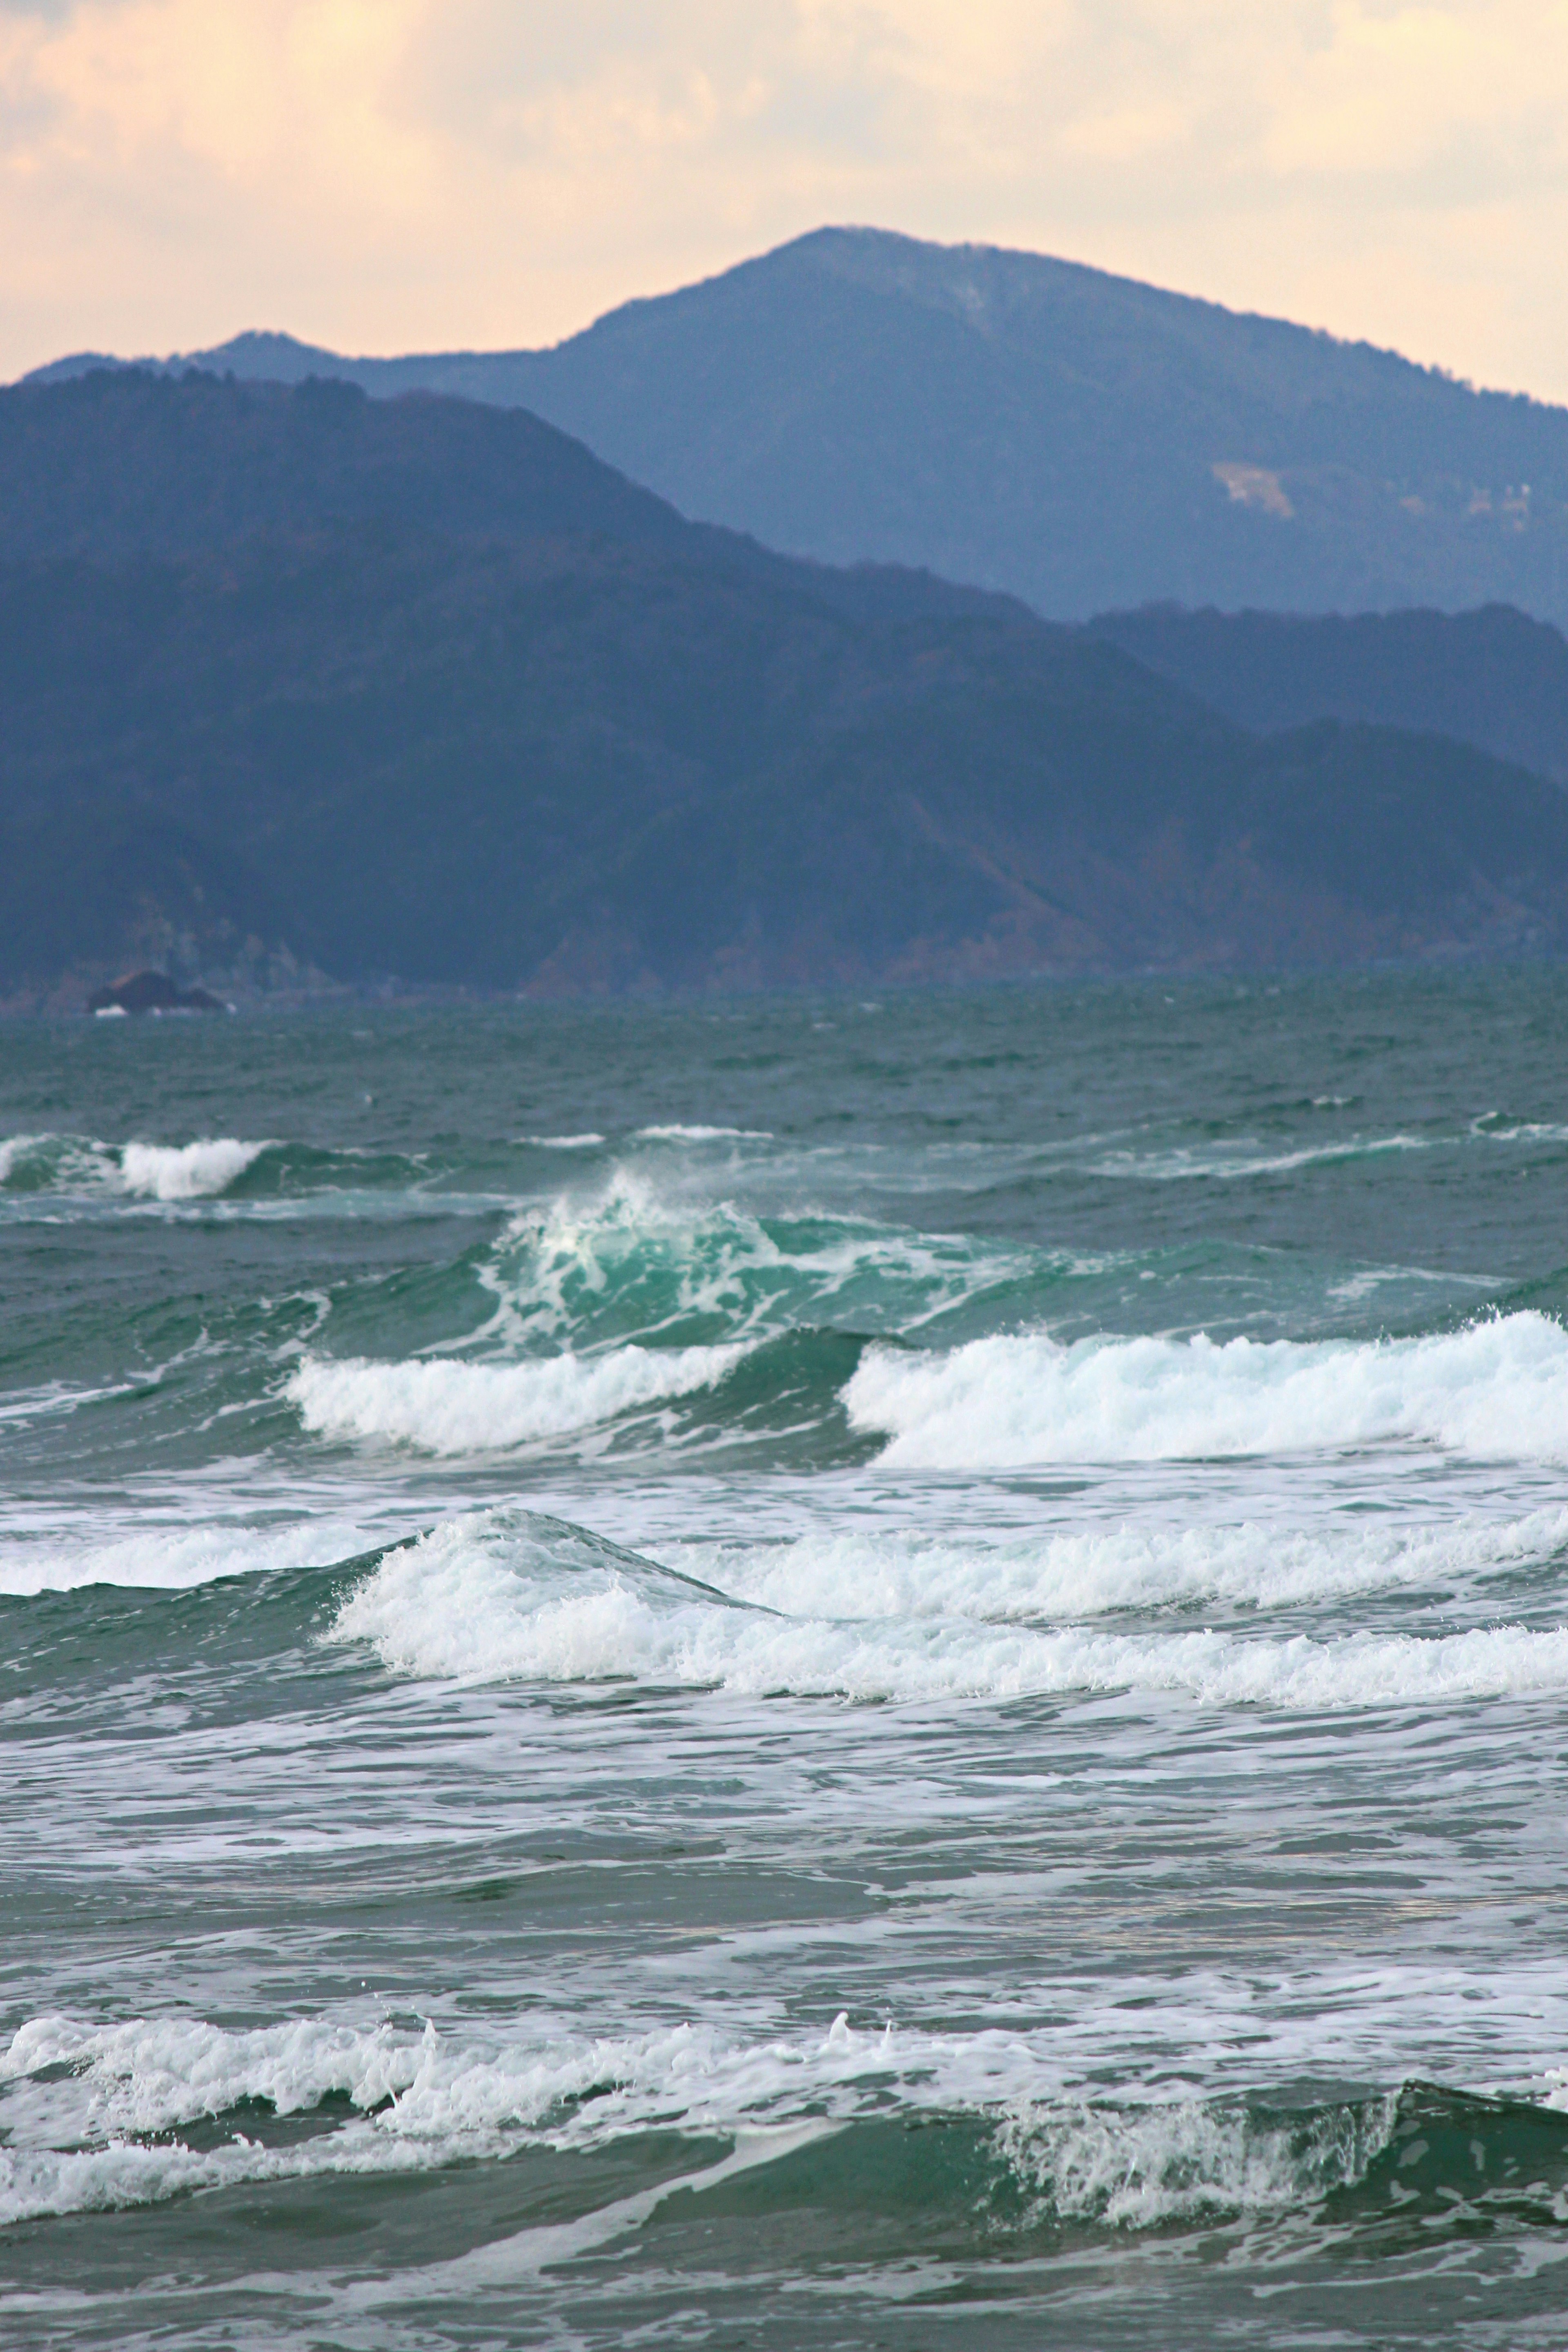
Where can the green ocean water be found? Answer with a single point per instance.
(799, 1672)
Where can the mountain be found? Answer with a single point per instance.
(1079, 440)
(295, 678)
(132, 461)
(1493, 678)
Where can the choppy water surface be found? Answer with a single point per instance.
(812, 1672)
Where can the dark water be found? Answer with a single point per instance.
(794, 1674)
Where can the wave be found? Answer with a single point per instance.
(1143, 2166)
(93, 2114)
(1499, 1390)
(187, 1171)
(445, 1407)
(264, 1177)
(1244, 1158)
(506, 1596)
(56, 1163)
(679, 1134)
(1253, 1565)
(154, 1172)
(174, 1559)
(636, 1260)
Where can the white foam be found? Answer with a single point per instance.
(54, 1397)
(1241, 1159)
(679, 1134)
(14, 1149)
(564, 1142)
(633, 1250)
(83, 2102)
(1498, 1389)
(187, 1171)
(174, 1559)
(498, 1596)
(458, 1408)
(899, 1573)
(77, 2142)
(73, 1162)
(1137, 2167)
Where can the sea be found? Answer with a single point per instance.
(815, 1671)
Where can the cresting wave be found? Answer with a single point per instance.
(92, 2113)
(1496, 1390)
(190, 1171)
(636, 1259)
(152, 1171)
(177, 1558)
(1057, 1574)
(507, 1595)
(444, 1407)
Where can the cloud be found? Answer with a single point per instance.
(407, 173)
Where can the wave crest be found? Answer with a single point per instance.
(445, 1407)
(1137, 2167)
(1499, 1388)
(507, 1595)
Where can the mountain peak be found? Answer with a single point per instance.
(1078, 439)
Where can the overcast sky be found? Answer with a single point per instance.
(389, 175)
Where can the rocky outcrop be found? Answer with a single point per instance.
(150, 992)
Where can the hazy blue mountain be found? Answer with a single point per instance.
(134, 461)
(413, 688)
(1494, 679)
(1080, 440)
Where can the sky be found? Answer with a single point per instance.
(388, 175)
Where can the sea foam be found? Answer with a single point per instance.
(1498, 1389)
(632, 1258)
(186, 1171)
(445, 1407)
(1066, 1573)
(502, 1595)
(174, 1559)
(91, 2112)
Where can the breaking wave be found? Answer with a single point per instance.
(1498, 1389)
(900, 1574)
(507, 1595)
(175, 1558)
(262, 1175)
(633, 1259)
(93, 2117)
(444, 1407)
(92, 2113)
(151, 1171)
(1141, 2166)
(189, 1171)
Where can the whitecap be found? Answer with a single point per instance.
(91, 2111)
(679, 1134)
(445, 1407)
(173, 1559)
(1064, 1572)
(1499, 1388)
(502, 1596)
(186, 1171)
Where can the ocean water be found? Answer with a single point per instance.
(798, 1673)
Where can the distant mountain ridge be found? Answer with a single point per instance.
(1074, 438)
(1494, 678)
(416, 688)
